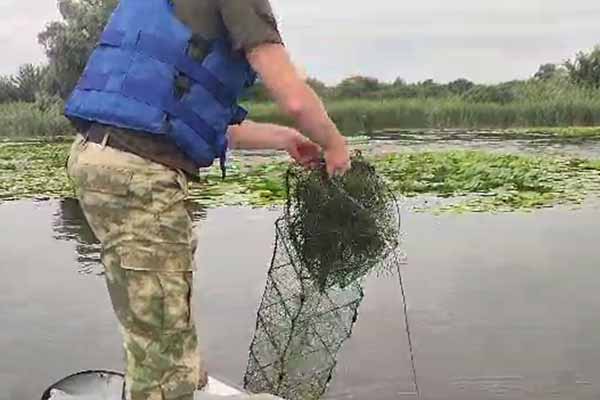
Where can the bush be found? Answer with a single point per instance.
(44, 118)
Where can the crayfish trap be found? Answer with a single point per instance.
(333, 233)
(341, 228)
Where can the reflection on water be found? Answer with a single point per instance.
(70, 225)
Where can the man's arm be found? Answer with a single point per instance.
(252, 135)
(297, 99)
(253, 29)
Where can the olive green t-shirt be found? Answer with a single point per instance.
(247, 24)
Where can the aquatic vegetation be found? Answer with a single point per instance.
(490, 181)
(563, 132)
(33, 171)
(474, 180)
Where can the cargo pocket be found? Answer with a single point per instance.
(145, 303)
(160, 258)
(168, 189)
(160, 302)
(177, 306)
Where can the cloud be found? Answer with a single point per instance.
(487, 41)
(20, 22)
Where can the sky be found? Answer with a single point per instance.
(485, 41)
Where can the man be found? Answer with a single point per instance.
(156, 102)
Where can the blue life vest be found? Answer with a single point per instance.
(130, 81)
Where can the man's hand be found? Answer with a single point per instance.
(252, 135)
(337, 157)
(301, 149)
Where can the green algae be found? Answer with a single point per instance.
(476, 181)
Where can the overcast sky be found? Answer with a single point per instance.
(482, 40)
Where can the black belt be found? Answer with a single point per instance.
(102, 135)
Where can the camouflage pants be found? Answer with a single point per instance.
(136, 209)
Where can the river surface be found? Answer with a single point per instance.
(459, 139)
(500, 306)
(506, 142)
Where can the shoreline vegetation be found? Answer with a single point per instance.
(559, 99)
(22, 121)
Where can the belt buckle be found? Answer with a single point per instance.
(105, 140)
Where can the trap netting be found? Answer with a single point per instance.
(343, 228)
(333, 233)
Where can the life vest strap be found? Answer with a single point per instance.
(160, 49)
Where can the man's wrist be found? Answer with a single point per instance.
(283, 136)
(335, 140)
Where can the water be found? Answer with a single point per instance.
(529, 143)
(501, 306)
(459, 139)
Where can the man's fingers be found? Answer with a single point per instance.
(339, 170)
(310, 148)
(330, 170)
(294, 153)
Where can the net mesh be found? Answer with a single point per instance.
(332, 234)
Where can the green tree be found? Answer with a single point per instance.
(546, 72)
(8, 90)
(431, 89)
(29, 82)
(68, 43)
(357, 86)
(319, 87)
(502, 94)
(585, 69)
(460, 86)
(399, 82)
